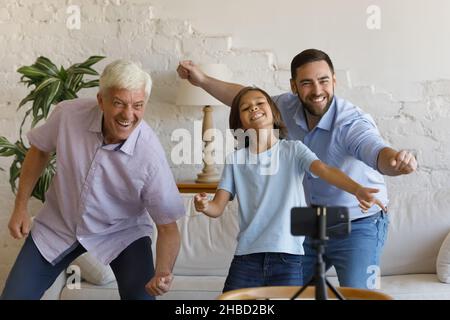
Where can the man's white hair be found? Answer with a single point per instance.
(123, 74)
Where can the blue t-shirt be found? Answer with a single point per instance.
(267, 186)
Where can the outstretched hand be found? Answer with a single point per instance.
(201, 202)
(367, 199)
(191, 72)
(403, 162)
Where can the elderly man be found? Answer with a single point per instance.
(343, 136)
(111, 174)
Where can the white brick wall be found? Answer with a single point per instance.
(132, 29)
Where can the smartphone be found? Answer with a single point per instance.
(305, 221)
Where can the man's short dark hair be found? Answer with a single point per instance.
(307, 56)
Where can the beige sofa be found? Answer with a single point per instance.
(408, 263)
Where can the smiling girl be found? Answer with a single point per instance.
(266, 176)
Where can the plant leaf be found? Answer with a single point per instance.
(14, 173)
(29, 97)
(90, 84)
(32, 72)
(45, 180)
(85, 70)
(37, 103)
(76, 82)
(36, 120)
(23, 122)
(7, 149)
(91, 60)
(62, 74)
(46, 65)
(54, 90)
(44, 84)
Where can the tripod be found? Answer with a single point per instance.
(319, 279)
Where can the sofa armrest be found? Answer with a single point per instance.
(443, 261)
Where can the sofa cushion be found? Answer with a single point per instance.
(183, 287)
(410, 287)
(416, 231)
(207, 244)
(443, 261)
(415, 287)
(93, 270)
(54, 292)
(89, 291)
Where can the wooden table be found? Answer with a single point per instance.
(194, 187)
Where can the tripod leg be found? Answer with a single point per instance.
(299, 292)
(335, 291)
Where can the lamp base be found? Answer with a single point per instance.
(209, 173)
(210, 177)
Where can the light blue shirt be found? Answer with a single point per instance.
(102, 196)
(267, 186)
(346, 138)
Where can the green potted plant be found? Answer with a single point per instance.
(51, 86)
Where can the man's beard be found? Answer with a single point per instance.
(314, 112)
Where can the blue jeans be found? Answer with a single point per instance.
(264, 269)
(32, 275)
(355, 257)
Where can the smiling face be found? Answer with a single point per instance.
(314, 84)
(255, 111)
(122, 111)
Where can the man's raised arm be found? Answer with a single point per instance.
(221, 90)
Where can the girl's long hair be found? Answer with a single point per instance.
(235, 118)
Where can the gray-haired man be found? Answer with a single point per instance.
(111, 174)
